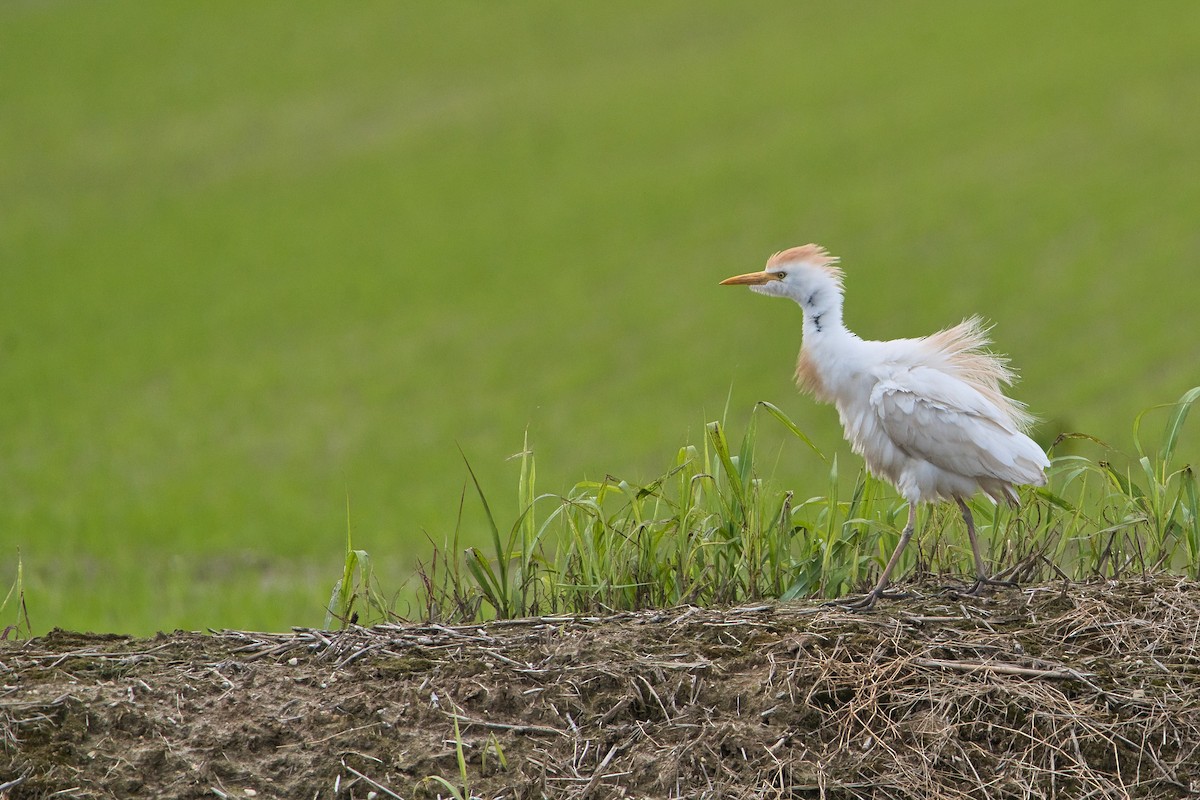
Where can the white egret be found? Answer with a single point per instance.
(926, 414)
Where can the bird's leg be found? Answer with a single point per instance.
(868, 600)
(982, 579)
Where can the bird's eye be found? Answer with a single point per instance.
(780, 275)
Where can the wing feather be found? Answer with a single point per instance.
(941, 419)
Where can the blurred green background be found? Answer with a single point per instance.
(259, 259)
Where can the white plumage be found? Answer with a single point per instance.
(927, 414)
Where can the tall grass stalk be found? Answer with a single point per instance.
(16, 595)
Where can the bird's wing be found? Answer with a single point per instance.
(934, 416)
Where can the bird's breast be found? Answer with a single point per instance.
(867, 437)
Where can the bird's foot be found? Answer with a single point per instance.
(982, 585)
(867, 601)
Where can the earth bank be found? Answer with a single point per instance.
(1071, 691)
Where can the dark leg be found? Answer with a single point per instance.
(982, 578)
(868, 600)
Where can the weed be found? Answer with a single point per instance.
(462, 791)
(357, 585)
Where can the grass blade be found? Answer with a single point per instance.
(489, 584)
(716, 436)
(791, 426)
(499, 582)
(1175, 423)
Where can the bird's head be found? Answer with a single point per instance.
(806, 274)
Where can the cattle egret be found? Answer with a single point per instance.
(926, 414)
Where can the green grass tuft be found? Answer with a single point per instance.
(712, 531)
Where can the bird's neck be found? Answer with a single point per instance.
(829, 356)
(823, 314)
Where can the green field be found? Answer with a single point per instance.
(261, 260)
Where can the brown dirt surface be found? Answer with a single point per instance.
(1080, 691)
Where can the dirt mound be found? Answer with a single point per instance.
(1091, 691)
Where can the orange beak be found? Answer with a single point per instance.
(750, 279)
